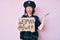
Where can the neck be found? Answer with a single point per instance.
(29, 14)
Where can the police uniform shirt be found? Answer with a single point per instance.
(37, 24)
(37, 21)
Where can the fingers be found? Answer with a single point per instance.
(46, 14)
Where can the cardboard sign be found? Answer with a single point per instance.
(27, 24)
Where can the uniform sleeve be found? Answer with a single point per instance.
(38, 22)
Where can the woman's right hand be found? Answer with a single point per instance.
(19, 27)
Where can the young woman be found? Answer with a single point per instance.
(29, 12)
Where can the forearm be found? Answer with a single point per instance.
(42, 23)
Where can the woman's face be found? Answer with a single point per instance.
(29, 10)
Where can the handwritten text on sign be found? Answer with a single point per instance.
(27, 24)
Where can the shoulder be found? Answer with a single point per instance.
(35, 16)
(24, 15)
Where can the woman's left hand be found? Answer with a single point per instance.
(46, 14)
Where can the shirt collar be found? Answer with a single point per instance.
(29, 15)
